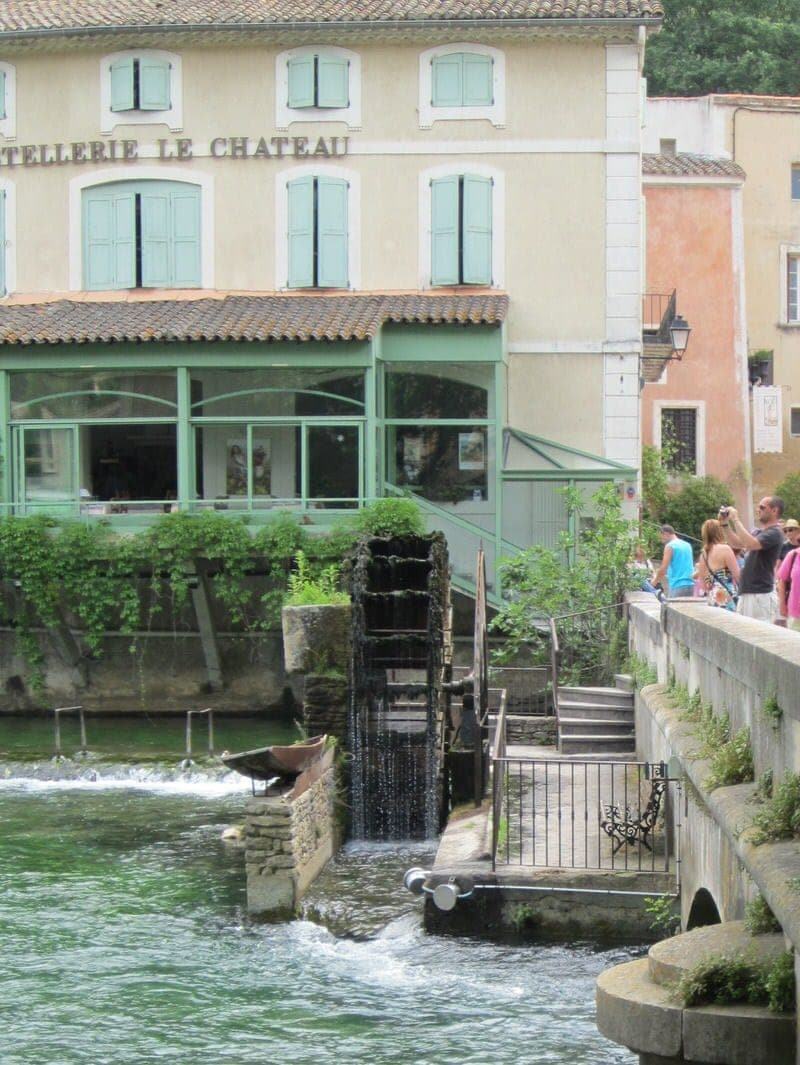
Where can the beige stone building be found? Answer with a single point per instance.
(272, 256)
(761, 135)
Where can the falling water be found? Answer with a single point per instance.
(399, 590)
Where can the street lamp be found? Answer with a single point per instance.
(679, 331)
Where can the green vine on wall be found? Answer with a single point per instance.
(110, 582)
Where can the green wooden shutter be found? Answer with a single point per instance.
(301, 232)
(446, 80)
(301, 81)
(331, 233)
(333, 88)
(155, 216)
(170, 213)
(3, 255)
(154, 84)
(109, 237)
(477, 230)
(185, 218)
(444, 231)
(122, 85)
(478, 80)
(3, 108)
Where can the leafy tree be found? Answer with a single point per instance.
(578, 577)
(789, 491)
(745, 46)
(699, 498)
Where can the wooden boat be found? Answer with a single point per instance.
(266, 763)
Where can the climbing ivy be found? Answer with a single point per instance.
(113, 582)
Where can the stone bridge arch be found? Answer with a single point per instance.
(703, 911)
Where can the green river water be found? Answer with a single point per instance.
(123, 936)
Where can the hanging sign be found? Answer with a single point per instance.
(767, 420)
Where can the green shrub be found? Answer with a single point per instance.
(712, 730)
(789, 491)
(663, 914)
(764, 787)
(772, 709)
(732, 763)
(696, 500)
(781, 985)
(723, 981)
(390, 517)
(641, 671)
(780, 816)
(759, 920)
(307, 589)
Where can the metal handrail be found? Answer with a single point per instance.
(58, 711)
(199, 713)
(498, 755)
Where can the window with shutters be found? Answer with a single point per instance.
(461, 230)
(141, 234)
(461, 81)
(794, 425)
(140, 87)
(679, 439)
(317, 232)
(8, 100)
(321, 83)
(4, 244)
(793, 288)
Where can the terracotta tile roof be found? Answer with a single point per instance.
(238, 318)
(31, 15)
(684, 164)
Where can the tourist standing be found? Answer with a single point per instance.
(677, 565)
(791, 531)
(718, 567)
(757, 596)
(789, 589)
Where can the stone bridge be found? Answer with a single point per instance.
(751, 672)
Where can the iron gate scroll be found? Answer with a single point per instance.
(584, 815)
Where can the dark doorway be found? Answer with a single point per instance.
(133, 461)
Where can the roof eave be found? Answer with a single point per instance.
(396, 25)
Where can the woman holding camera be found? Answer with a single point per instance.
(718, 567)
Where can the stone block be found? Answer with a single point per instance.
(738, 1035)
(637, 1013)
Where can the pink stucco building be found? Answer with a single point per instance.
(695, 249)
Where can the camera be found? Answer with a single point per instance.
(724, 512)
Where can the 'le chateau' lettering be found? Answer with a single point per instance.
(118, 151)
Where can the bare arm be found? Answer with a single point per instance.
(781, 586)
(662, 569)
(737, 535)
(732, 564)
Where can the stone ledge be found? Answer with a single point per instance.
(771, 865)
(644, 1016)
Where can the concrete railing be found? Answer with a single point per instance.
(739, 666)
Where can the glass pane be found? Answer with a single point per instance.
(794, 310)
(438, 390)
(98, 394)
(796, 182)
(224, 469)
(121, 463)
(48, 466)
(446, 464)
(333, 465)
(277, 392)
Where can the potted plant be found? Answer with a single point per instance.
(315, 619)
(759, 365)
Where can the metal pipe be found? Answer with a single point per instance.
(575, 891)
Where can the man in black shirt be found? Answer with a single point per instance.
(757, 596)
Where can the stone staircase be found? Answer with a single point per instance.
(597, 723)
